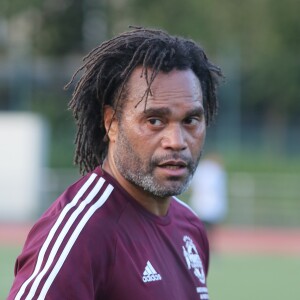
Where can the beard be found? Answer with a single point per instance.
(141, 172)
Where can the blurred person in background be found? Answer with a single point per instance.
(209, 194)
(141, 106)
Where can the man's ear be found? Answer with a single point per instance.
(110, 123)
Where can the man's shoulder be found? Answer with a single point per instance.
(93, 203)
(183, 208)
(94, 188)
(85, 216)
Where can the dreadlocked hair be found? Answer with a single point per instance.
(107, 69)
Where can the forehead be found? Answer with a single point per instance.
(178, 86)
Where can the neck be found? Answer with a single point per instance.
(156, 205)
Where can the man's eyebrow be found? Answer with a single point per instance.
(162, 111)
(198, 111)
(165, 111)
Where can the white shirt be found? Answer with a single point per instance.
(209, 192)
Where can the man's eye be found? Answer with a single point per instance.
(155, 122)
(191, 121)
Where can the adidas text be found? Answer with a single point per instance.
(153, 277)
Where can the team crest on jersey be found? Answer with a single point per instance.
(193, 259)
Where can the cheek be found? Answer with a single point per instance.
(141, 136)
(198, 139)
(138, 140)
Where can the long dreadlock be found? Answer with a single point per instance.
(107, 69)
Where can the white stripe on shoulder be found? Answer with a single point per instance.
(185, 205)
(52, 232)
(62, 235)
(72, 240)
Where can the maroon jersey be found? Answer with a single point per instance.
(97, 242)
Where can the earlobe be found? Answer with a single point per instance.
(110, 123)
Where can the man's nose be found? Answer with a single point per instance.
(174, 138)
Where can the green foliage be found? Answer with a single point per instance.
(61, 29)
(10, 8)
(57, 25)
(264, 33)
(255, 42)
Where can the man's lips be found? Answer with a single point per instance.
(173, 164)
(173, 168)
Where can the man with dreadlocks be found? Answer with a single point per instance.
(142, 107)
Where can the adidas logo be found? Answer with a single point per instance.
(150, 274)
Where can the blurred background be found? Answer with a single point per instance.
(257, 44)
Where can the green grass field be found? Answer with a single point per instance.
(8, 256)
(246, 277)
(231, 277)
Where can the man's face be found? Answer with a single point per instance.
(158, 144)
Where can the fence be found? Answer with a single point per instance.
(255, 199)
(269, 199)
